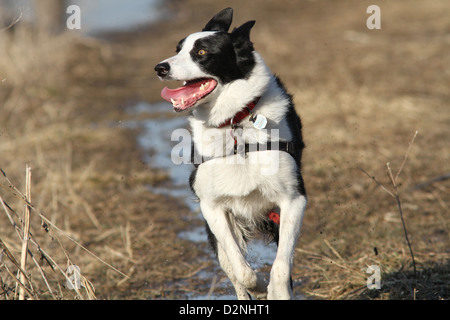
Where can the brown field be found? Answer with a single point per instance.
(362, 95)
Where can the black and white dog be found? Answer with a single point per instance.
(244, 123)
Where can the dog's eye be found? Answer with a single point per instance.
(201, 52)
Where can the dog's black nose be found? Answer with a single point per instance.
(162, 69)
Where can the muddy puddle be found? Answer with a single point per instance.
(159, 121)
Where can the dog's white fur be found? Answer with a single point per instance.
(235, 194)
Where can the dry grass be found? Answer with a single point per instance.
(87, 173)
(28, 285)
(361, 94)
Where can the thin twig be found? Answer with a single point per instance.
(397, 198)
(77, 243)
(406, 155)
(427, 183)
(376, 181)
(396, 195)
(15, 21)
(42, 275)
(399, 205)
(391, 177)
(336, 253)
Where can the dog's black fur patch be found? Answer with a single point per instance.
(229, 56)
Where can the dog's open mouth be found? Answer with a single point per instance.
(187, 96)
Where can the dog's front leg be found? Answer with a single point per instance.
(241, 291)
(291, 215)
(230, 254)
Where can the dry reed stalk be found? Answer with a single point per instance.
(212, 287)
(127, 240)
(23, 282)
(26, 231)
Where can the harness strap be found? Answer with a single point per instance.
(285, 146)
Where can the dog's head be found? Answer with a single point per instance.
(208, 60)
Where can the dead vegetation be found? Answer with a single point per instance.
(361, 95)
(88, 185)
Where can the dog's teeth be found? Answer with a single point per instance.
(184, 83)
(173, 101)
(182, 101)
(202, 87)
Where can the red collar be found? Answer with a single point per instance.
(241, 115)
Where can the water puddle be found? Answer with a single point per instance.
(118, 15)
(155, 140)
(100, 16)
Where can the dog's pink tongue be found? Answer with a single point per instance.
(187, 95)
(177, 94)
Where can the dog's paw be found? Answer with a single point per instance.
(280, 292)
(259, 291)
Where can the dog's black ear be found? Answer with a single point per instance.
(221, 21)
(243, 47)
(242, 34)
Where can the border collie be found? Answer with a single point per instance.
(248, 136)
